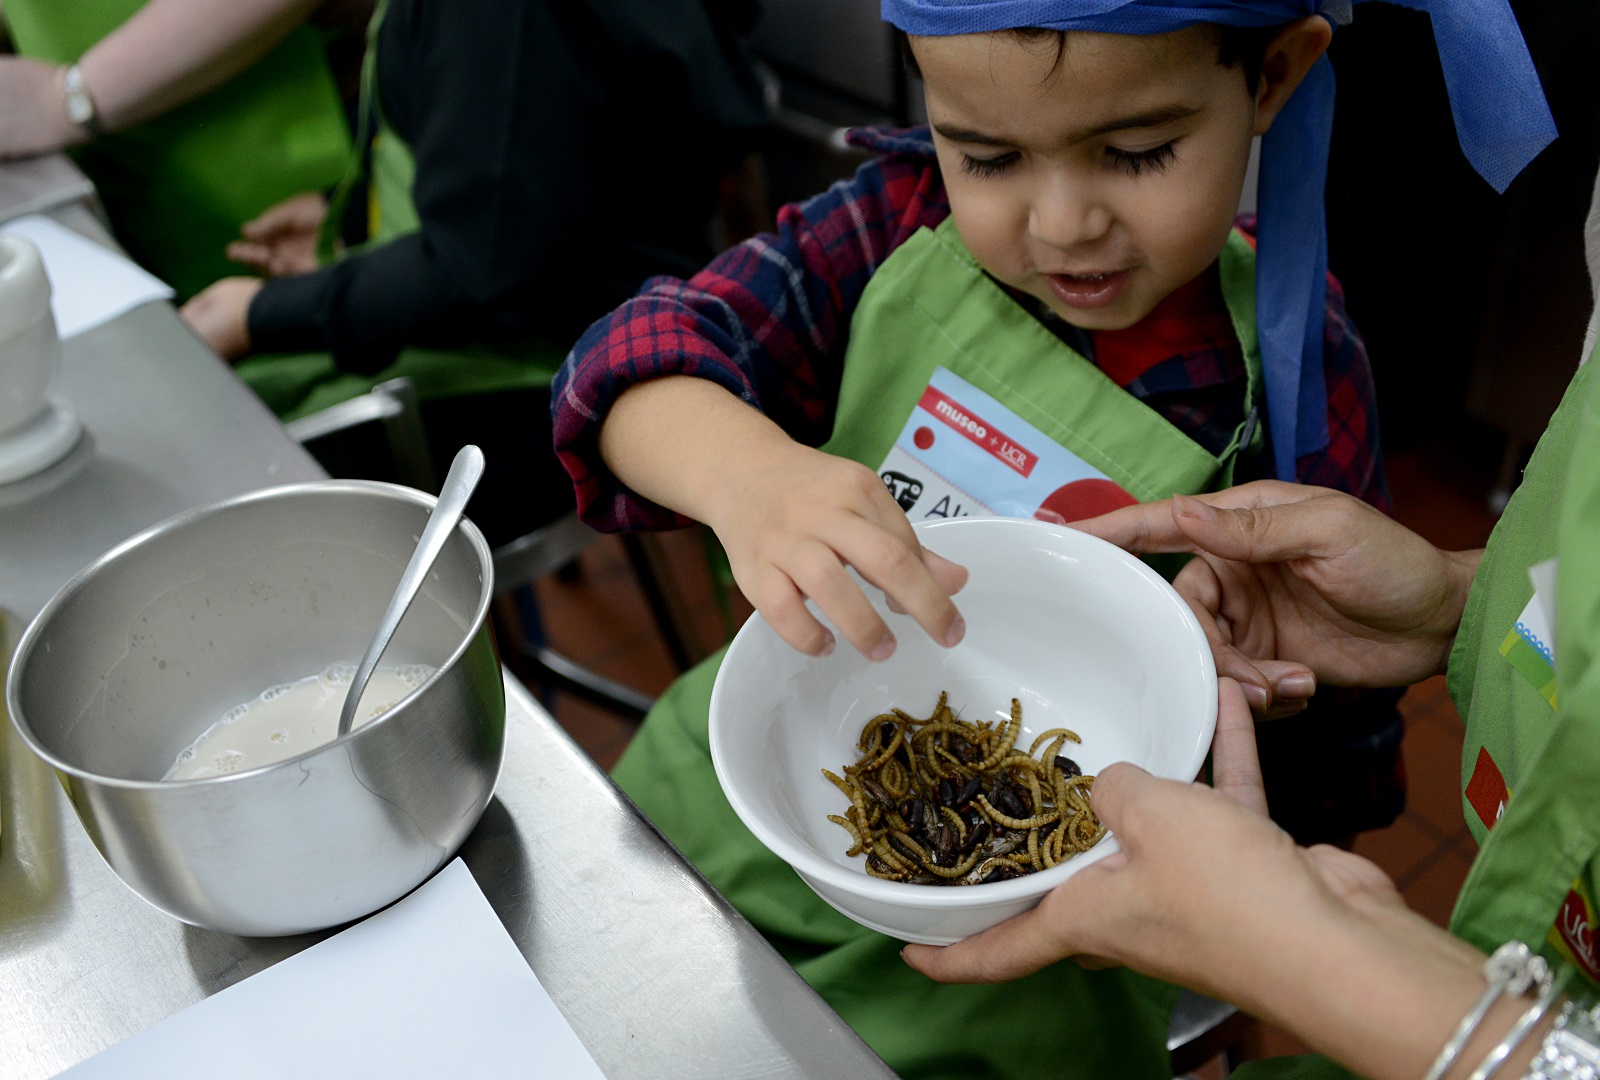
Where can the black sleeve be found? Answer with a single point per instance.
(501, 105)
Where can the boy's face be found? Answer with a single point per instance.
(1098, 186)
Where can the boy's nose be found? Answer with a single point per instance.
(1065, 216)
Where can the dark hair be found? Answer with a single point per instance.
(1237, 46)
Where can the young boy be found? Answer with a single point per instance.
(1058, 265)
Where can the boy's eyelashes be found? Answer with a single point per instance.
(982, 167)
(1132, 162)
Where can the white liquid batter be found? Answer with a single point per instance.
(290, 719)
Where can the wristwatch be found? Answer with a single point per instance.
(1572, 1049)
(80, 106)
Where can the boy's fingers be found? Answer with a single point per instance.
(817, 572)
(784, 609)
(951, 576)
(899, 566)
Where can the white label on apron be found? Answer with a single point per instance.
(1534, 628)
(1543, 576)
(963, 453)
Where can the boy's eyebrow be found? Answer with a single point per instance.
(1165, 114)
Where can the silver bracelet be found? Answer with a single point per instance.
(1550, 990)
(1511, 969)
(1571, 1050)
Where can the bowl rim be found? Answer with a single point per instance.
(808, 864)
(186, 519)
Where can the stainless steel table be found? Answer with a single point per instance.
(655, 972)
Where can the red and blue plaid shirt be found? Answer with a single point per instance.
(770, 319)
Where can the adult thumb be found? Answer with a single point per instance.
(1118, 788)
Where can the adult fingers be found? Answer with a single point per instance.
(256, 256)
(1201, 589)
(1293, 686)
(1019, 946)
(1145, 528)
(1235, 767)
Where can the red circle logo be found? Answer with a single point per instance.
(1083, 499)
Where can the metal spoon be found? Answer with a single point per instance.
(465, 472)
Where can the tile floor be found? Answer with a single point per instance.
(599, 620)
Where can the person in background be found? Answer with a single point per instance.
(190, 116)
(1056, 259)
(530, 164)
(1210, 895)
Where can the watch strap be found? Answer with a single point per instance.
(79, 105)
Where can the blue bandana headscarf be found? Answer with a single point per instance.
(1501, 119)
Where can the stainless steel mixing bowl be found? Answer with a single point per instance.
(149, 645)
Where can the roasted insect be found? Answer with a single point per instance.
(944, 801)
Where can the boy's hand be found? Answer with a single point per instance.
(283, 239)
(792, 523)
(791, 518)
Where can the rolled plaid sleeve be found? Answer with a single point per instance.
(768, 320)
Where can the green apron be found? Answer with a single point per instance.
(1532, 709)
(299, 384)
(931, 315)
(178, 187)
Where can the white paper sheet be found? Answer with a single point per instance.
(430, 987)
(89, 284)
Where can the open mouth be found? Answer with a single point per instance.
(1087, 291)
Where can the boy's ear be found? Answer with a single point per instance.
(1288, 57)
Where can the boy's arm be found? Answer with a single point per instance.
(767, 321)
(699, 398)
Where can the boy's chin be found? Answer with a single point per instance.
(1118, 316)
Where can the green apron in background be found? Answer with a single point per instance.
(931, 306)
(178, 187)
(299, 384)
(1531, 759)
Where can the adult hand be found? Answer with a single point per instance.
(1296, 584)
(283, 239)
(1203, 883)
(219, 315)
(797, 518)
(33, 109)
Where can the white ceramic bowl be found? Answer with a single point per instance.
(1083, 634)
